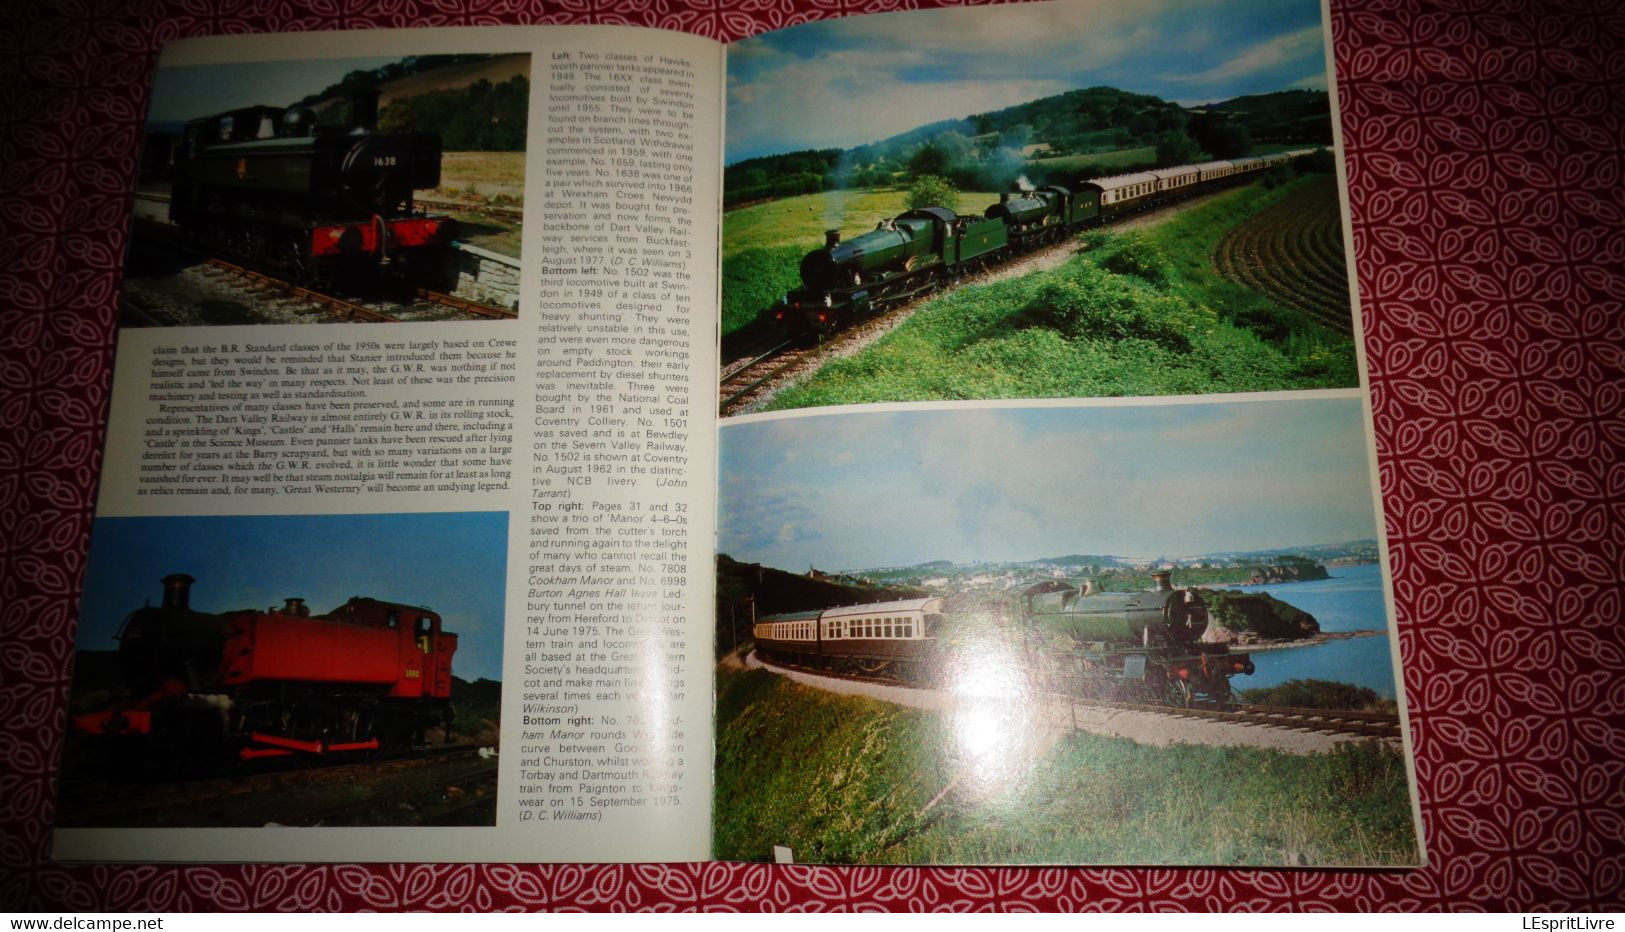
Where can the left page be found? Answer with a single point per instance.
(402, 538)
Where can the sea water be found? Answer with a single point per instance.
(1351, 600)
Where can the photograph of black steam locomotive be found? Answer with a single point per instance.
(197, 704)
(307, 191)
(1064, 207)
(1076, 640)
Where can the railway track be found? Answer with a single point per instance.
(463, 304)
(105, 802)
(746, 381)
(1326, 721)
(490, 210)
(750, 380)
(1323, 721)
(342, 308)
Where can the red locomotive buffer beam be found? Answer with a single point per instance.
(283, 747)
(130, 721)
(348, 239)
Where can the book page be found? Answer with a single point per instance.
(403, 539)
(1049, 522)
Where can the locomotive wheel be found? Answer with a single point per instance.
(1179, 693)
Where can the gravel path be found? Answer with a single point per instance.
(1028, 726)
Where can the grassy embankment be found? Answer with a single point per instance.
(848, 780)
(762, 245)
(1139, 313)
(494, 178)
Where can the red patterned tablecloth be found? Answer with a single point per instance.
(1484, 144)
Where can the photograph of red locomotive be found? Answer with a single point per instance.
(245, 670)
(369, 675)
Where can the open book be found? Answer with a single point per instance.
(964, 457)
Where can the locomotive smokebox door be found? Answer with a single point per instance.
(378, 174)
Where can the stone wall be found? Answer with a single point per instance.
(486, 276)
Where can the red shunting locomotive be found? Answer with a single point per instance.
(247, 684)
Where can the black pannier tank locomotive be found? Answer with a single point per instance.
(279, 186)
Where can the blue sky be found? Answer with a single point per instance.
(453, 563)
(861, 490)
(845, 82)
(181, 94)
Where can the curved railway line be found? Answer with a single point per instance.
(759, 369)
(1322, 721)
(753, 376)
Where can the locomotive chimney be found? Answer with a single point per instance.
(1161, 579)
(364, 109)
(178, 590)
(831, 237)
(1088, 587)
(1004, 198)
(295, 607)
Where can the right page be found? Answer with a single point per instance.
(1049, 528)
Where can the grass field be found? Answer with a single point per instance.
(1140, 313)
(492, 177)
(801, 221)
(1294, 253)
(847, 780)
(1064, 164)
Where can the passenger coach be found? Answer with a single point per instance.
(880, 637)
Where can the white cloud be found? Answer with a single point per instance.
(1281, 50)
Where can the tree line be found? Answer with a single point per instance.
(989, 151)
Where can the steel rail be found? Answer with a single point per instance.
(1333, 721)
(463, 304)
